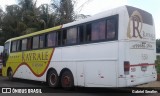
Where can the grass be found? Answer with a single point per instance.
(158, 64)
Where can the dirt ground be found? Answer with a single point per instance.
(151, 84)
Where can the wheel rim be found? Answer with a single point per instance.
(53, 79)
(66, 81)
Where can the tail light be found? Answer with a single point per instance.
(126, 67)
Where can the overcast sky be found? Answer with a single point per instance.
(96, 6)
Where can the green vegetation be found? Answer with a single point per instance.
(158, 64)
(25, 17)
(158, 57)
(158, 45)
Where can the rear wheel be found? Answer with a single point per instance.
(67, 81)
(52, 79)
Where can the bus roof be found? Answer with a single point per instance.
(105, 14)
(36, 33)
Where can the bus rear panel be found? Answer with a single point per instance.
(140, 52)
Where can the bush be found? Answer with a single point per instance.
(158, 64)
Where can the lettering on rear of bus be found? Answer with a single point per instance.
(136, 28)
(142, 45)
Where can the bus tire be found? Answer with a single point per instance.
(10, 75)
(52, 79)
(67, 81)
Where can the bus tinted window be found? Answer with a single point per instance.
(111, 29)
(18, 45)
(59, 34)
(24, 44)
(29, 43)
(41, 41)
(81, 34)
(64, 37)
(51, 39)
(88, 32)
(98, 30)
(72, 35)
(35, 42)
(14, 46)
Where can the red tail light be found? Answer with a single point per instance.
(126, 67)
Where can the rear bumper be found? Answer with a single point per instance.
(140, 80)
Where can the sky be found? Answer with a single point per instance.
(96, 6)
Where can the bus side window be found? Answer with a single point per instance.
(72, 35)
(64, 37)
(14, 43)
(98, 30)
(88, 32)
(35, 42)
(81, 34)
(18, 45)
(42, 41)
(111, 29)
(24, 44)
(51, 39)
(59, 34)
(29, 43)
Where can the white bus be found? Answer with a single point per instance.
(115, 48)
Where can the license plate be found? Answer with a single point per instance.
(144, 68)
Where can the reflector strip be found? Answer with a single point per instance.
(142, 64)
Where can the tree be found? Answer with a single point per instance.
(29, 15)
(158, 45)
(36, 18)
(64, 10)
(67, 11)
(25, 17)
(11, 24)
(1, 19)
(46, 16)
